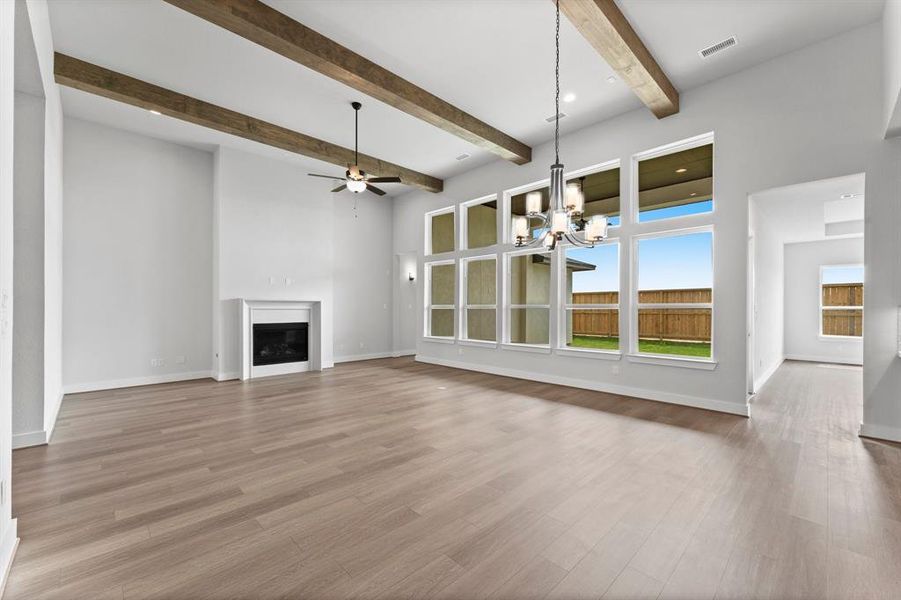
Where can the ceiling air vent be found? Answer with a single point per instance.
(463, 156)
(551, 118)
(718, 47)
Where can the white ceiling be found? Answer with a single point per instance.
(801, 213)
(492, 58)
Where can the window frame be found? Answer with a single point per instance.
(672, 148)
(427, 231)
(463, 333)
(563, 307)
(463, 242)
(506, 343)
(832, 337)
(634, 354)
(429, 307)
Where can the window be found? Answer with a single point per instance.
(841, 301)
(601, 191)
(529, 286)
(676, 184)
(480, 223)
(674, 301)
(480, 299)
(591, 297)
(440, 301)
(440, 231)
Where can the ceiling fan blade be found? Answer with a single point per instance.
(326, 176)
(384, 180)
(340, 188)
(375, 190)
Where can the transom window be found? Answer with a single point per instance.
(480, 223)
(440, 232)
(676, 184)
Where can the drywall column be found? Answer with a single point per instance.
(8, 536)
(28, 332)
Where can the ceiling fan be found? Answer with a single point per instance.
(355, 179)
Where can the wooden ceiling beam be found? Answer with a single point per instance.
(263, 25)
(603, 24)
(88, 77)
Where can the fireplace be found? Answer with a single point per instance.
(277, 343)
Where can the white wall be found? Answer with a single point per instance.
(802, 297)
(809, 115)
(768, 326)
(137, 246)
(280, 235)
(8, 538)
(28, 331)
(891, 36)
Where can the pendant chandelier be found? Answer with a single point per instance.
(564, 218)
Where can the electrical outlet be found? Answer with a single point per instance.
(180, 360)
(614, 369)
(361, 345)
(157, 362)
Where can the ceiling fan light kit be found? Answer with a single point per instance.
(355, 179)
(564, 217)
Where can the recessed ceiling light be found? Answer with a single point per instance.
(570, 97)
(155, 112)
(682, 170)
(693, 194)
(611, 79)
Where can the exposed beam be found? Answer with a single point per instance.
(267, 27)
(97, 80)
(603, 24)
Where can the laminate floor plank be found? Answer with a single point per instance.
(393, 479)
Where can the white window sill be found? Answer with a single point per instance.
(527, 348)
(587, 353)
(439, 340)
(840, 338)
(478, 343)
(673, 361)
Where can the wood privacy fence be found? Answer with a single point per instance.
(691, 324)
(843, 321)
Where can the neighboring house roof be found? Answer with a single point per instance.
(571, 264)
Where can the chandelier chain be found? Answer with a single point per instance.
(557, 93)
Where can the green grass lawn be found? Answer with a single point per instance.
(700, 349)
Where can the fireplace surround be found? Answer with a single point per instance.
(279, 337)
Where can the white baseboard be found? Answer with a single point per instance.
(765, 376)
(880, 432)
(399, 353)
(29, 439)
(823, 359)
(226, 376)
(358, 357)
(668, 397)
(113, 384)
(8, 546)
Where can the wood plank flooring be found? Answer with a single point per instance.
(394, 479)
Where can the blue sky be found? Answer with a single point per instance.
(683, 261)
(842, 274)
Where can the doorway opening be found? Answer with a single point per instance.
(806, 282)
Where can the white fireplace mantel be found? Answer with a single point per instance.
(280, 311)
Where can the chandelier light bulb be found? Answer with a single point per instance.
(533, 203)
(575, 199)
(520, 228)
